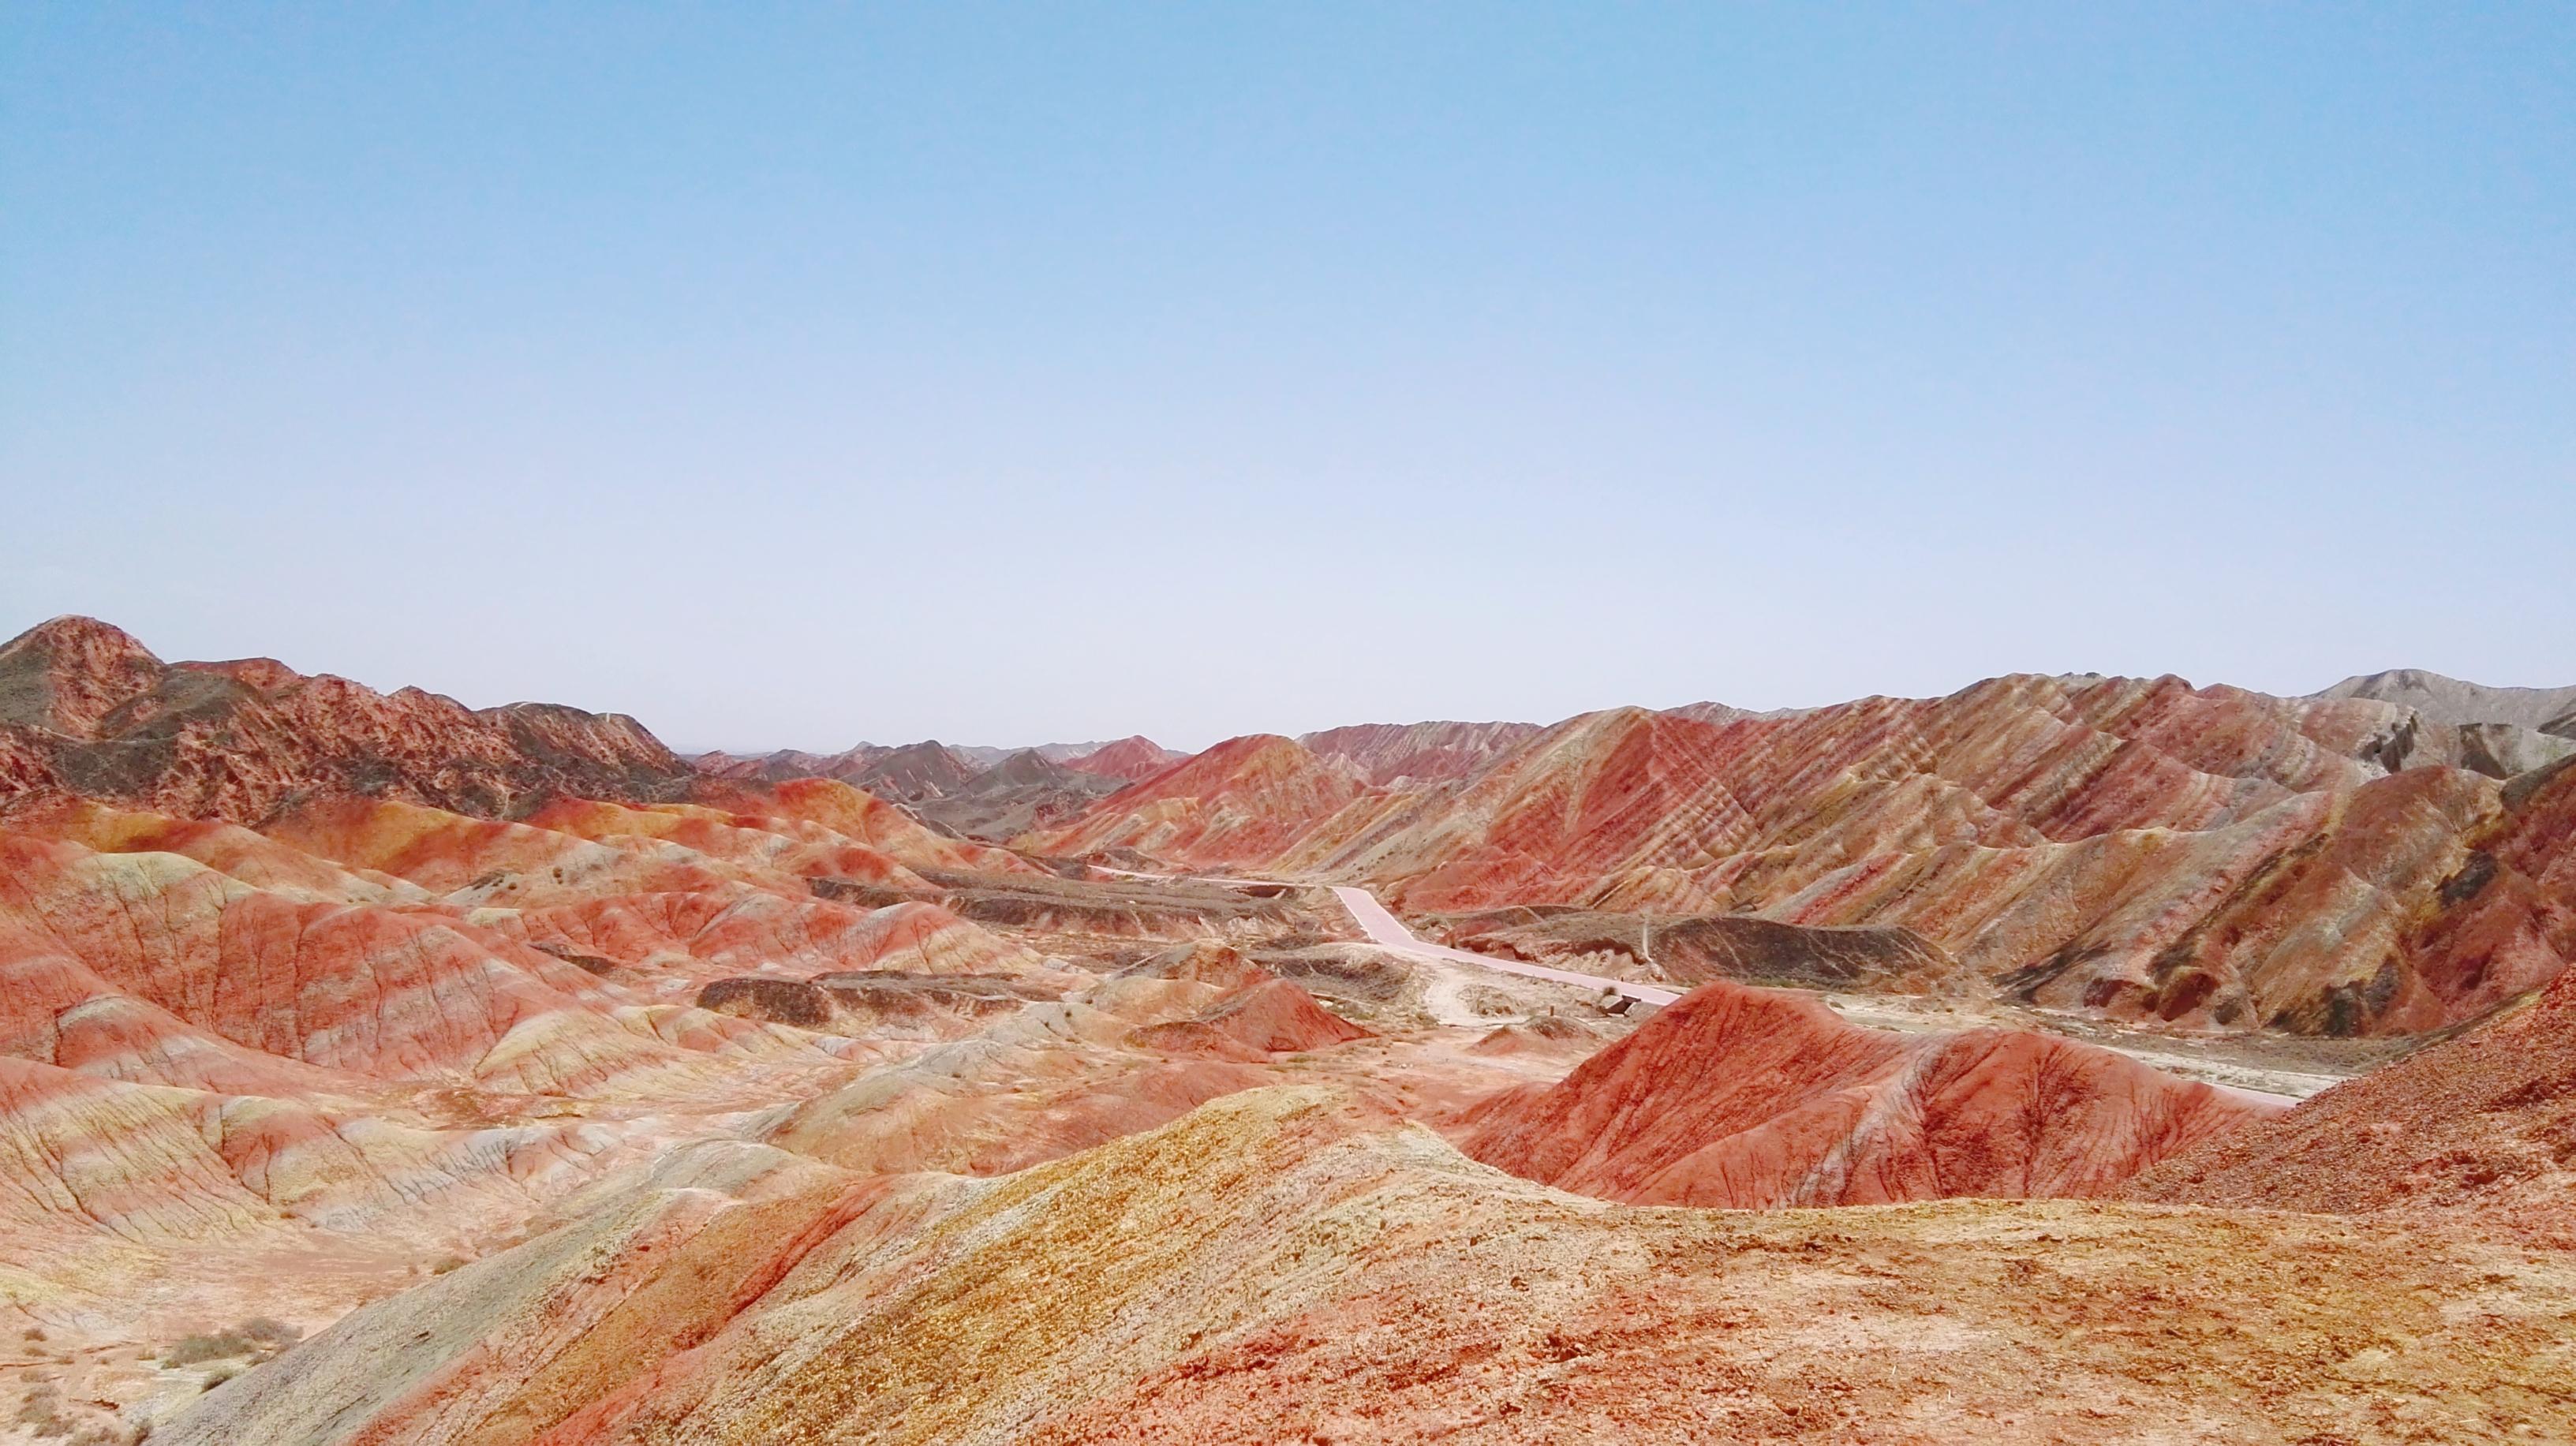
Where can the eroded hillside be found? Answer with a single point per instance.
(558, 1091)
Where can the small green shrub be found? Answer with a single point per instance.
(275, 1334)
(257, 1338)
(198, 1349)
(41, 1413)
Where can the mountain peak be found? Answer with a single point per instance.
(66, 674)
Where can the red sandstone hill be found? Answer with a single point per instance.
(84, 708)
(1133, 759)
(355, 940)
(1241, 801)
(1259, 1019)
(1422, 752)
(2485, 1122)
(2205, 857)
(1743, 1097)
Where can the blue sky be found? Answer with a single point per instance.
(793, 375)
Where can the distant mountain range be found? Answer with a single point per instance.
(2448, 700)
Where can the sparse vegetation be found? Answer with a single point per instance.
(255, 1339)
(41, 1414)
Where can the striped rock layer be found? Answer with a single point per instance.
(374, 1010)
(2483, 1124)
(1395, 752)
(1744, 1098)
(2209, 857)
(88, 710)
(1294, 1264)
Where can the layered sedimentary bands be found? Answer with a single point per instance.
(1742, 1097)
(561, 1090)
(2135, 848)
(1297, 1264)
(85, 707)
(2483, 1125)
(1391, 753)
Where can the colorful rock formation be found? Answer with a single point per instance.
(2484, 1124)
(1392, 753)
(87, 709)
(1296, 1264)
(2209, 858)
(1741, 1098)
(1242, 801)
(1131, 760)
(597, 1102)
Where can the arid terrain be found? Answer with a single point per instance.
(2066, 1059)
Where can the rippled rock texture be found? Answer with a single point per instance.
(1745, 1098)
(2210, 857)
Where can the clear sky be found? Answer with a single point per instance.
(792, 375)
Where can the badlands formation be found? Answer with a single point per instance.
(2068, 1059)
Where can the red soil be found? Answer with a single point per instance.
(2484, 1122)
(1746, 1097)
(1253, 1023)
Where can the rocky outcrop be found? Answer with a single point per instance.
(86, 709)
(1741, 1097)
(916, 773)
(2503, 921)
(67, 676)
(1260, 1019)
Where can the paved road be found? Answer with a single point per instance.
(1387, 931)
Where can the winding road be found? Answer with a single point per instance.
(1388, 932)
